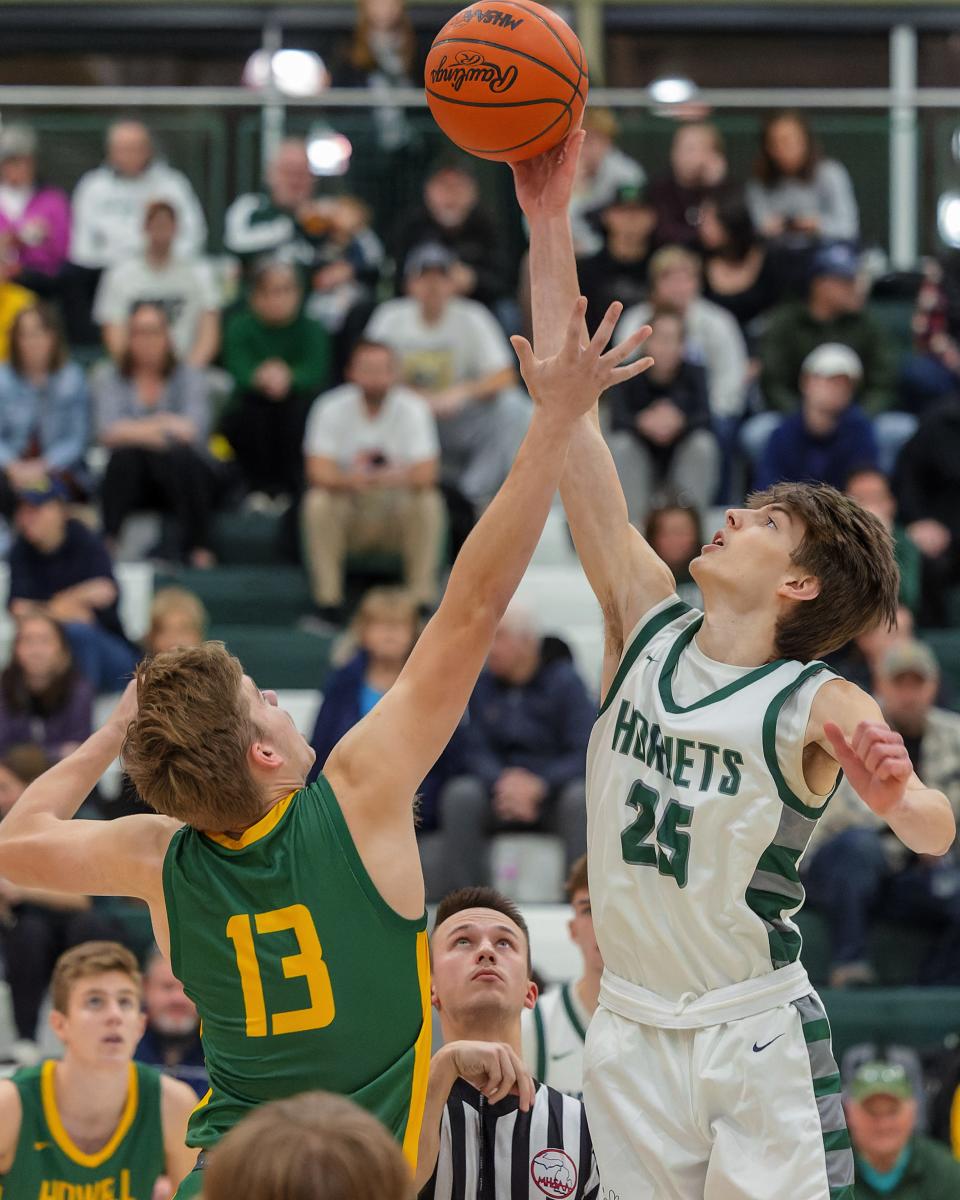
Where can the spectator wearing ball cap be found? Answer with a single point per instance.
(602, 171)
(830, 436)
(451, 215)
(854, 867)
(60, 567)
(891, 1159)
(618, 271)
(184, 287)
(833, 311)
(34, 218)
(453, 352)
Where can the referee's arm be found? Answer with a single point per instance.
(492, 1067)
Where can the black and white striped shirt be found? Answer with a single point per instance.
(495, 1152)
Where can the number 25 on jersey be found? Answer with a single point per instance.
(671, 850)
(307, 964)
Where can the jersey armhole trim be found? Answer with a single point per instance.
(572, 1015)
(330, 805)
(769, 737)
(170, 901)
(541, 1042)
(644, 635)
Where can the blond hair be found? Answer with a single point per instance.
(172, 601)
(668, 258)
(305, 1147)
(577, 878)
(85, 961)
(186, 749)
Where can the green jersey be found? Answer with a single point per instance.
(48, 1166)
(304, 977)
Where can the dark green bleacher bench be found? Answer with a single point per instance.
(276, 595)
(920, 1017)
(278, 657)
(945, 643)
(896, 951)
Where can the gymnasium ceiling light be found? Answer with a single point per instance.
(948, 218)
(328, 152)
(672, 89)
(296, 73)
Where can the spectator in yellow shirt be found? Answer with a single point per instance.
(13, 298)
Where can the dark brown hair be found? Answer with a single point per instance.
(851, 554)
(577, 878)
(307, 1147)
(85, 961)
(361, 55)
(186, 749)
(50, 320)
(126, 360)
(13, 685)
(482, 897)
(766, 168)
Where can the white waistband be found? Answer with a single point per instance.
(732, 1003)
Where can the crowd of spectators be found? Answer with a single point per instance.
(360, 384)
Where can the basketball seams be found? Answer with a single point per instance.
(546, 24)
(575, 87)
(496, 103)
(519, 145)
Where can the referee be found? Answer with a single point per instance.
(490, 1132)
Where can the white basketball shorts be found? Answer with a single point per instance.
(747, 1110)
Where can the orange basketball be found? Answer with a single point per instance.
(506, 80)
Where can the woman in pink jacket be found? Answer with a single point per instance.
(34, 219)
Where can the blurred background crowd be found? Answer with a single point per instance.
(274, 421)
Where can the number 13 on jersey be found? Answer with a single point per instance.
(307, 964)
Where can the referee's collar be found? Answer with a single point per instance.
(465, 1093)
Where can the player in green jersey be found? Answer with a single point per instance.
(294, 915)
(94, 1123)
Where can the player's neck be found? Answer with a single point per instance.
(479, 1030)
(735, 638)
(587, 989)
(84, 1090)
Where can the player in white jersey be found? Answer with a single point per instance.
(553, 1032)
(709, 1071)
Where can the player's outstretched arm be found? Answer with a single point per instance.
(380, 763)
(42, 847)
(625, 574)
(878, 768)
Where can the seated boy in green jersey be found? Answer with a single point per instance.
(294, 915)
(94, 1123)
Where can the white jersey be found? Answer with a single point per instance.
(698, 816)
(552, 1037)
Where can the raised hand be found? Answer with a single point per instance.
(875, 763)
(494, 1069)
(571, 381)
(545, 184)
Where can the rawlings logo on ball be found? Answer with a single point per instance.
(473, 68)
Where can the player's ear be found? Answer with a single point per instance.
(434, 998)
(802, 587)
(530, 999)
(58, 1023)
(265, 756)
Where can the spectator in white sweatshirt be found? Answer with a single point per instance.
(109, 202)
(713, 337)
